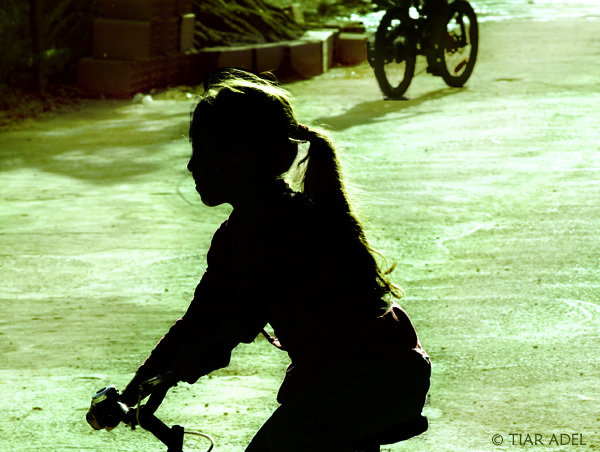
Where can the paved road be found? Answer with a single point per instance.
(487, 197)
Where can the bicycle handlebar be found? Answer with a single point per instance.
(143, 415)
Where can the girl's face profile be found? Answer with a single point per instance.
(223, 168)
(234, 156)
(207, 167)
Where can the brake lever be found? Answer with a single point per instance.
(157, 387)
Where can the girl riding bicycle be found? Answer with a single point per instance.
(300, 261)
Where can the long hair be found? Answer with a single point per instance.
(263, 116)
(324, 184)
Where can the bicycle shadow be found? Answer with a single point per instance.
(375, 111)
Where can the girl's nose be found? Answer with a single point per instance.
(191, 164)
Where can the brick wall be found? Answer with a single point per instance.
(143, 44)
(137, 45)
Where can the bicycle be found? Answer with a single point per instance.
(106, 411)
(449, 42)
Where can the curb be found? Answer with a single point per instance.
(116, 71)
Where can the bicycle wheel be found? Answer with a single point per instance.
(459, 45)
(395, 54)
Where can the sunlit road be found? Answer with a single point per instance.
(486, 197)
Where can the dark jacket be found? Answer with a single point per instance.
(285, 265)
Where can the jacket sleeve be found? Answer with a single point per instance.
(216, 321)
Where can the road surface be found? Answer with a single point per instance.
(487, 197)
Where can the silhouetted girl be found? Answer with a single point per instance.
(299, 261)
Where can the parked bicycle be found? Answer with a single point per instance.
(448, 37)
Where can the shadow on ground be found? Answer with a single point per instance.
(373, 111)
(103, 147)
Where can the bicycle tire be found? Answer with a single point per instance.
(459, 52)
(395, 51)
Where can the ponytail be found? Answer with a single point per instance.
(323, 184)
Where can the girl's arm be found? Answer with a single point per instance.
(200, 342)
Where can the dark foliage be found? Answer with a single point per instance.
(221, 22)
(63, 30)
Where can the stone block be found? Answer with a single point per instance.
(121, 78)
(106, 78)
(196, 66)
(306, 58)
(186, 34)
(327, 37)
(270, 57)
(116, 39)
(351, 48)
(165, 36)
(240, 57)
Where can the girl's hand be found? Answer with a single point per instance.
(131, 394)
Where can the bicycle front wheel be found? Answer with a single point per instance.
(395, 54)
(459, 45)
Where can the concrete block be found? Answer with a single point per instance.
(186, 33)
(306, 58)
(270, 57)
(165, 36)
(327, 37)
(196, 66)
(116, 39)
(169, 71)
(187, 68)
(351, 48)
(105, 78)
(240, 57)
(121, 78)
